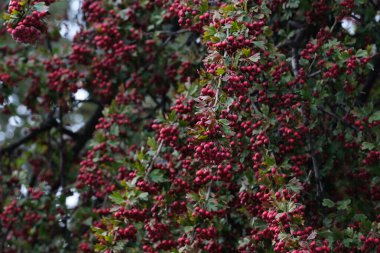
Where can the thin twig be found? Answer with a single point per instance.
(314, 74)
(338, 119)
(208, 192)
(317, 175)
(295, 58)
(152, 160)
(217, 92)
(61, 148)
(46, 126)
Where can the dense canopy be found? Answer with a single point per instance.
(190, 126)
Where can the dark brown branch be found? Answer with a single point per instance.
(61, 149)
(338, 119)
(50, 123)
(87, 131)
(370, 81)
(300, 35)
(68, 133)
(46, 126)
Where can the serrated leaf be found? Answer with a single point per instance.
(359, 217)
(224, 121)
(158, 176)
(267, 31)
(361, 53)
(143, 196)
(270, 161)
(152, 143)
(294, 185)
(343, 204)
(212, 205)
(375, 116)
(192, 196)
(192, 89)
(347, 242)
(368, 145)
(292, 4)
(259, 44)
(41, 7)
(117, 198)
(255, 57)
(220, 71)
(328, 203)
(312, 235)
(246, 52)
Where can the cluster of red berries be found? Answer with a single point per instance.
(29, 25)
(29, 29)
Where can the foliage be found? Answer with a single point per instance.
(210, 126)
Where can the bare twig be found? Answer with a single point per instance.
(295, 58)
(314, 74)
(217, 92)
(152, 160)
(61, 148)
(338, 119)
(87, 131)
(317, 175)
(208, 192)
(46, 126)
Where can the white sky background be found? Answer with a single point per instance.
(68, 28)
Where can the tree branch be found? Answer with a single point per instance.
(87, 131)
(370, 81)
(151, 162)
(46, 126)
(295, 58)
(314, 161)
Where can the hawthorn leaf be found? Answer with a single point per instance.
(328, 203)
(158, 176)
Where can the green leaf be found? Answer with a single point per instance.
(227, 130)
(192, 89)
(41, 7)
(294, 185)
(328, 203)
(172, 116)
(143, 196)
(204, 6)
(359, 217)
(212, 205)
(347, 242)
(158, 176)
(259, 44)
(270, 161)
(152, 143)
(255, 57)
(246, 52)
(115, 129)
(375, 116)
(224, 121)
(343, 204)
(117, 198)
(267, 31)
(192, 196)
(361, 53)
(292, 4)
(220, 71)
(368, 145)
